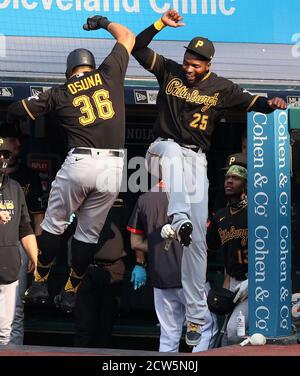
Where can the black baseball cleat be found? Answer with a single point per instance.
(65, 300)
(37, 293)
(184, 233)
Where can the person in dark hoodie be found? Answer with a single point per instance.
(14, 227)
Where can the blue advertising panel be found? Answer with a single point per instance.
(257, 21)
(269, 238)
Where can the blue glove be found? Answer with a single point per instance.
(138, 276)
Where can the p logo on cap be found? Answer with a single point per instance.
(202, 47)
(199, 43)
(236, 159)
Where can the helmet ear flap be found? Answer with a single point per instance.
(79, 57)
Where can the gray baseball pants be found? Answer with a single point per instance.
(87, 184)
(185, 178)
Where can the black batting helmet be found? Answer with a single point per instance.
(78, 57)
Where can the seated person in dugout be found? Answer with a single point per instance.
(227, 232)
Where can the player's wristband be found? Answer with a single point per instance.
(159, 25)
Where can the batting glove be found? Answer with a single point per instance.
(167, 232)
(241, 291)
(96, 22)
(138, 276)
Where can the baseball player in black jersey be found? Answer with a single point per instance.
(90, 107)
(189, 99)
(228, 231)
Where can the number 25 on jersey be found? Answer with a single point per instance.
(200, 121)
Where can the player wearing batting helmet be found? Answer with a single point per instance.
(91, 108)
(189, 99)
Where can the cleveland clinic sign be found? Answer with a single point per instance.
(275, 21)
(269, 243)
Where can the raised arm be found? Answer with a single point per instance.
(121, 33)
(144, 55)
(171, 18)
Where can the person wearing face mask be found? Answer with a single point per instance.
(190, 98)
(31, 185)
(15, 227)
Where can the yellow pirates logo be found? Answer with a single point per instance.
(199, 43)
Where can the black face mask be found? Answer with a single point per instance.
(5, 154)
(5, 158)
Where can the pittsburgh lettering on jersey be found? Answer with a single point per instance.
(85, 83)
(233, 233)
(177, 88)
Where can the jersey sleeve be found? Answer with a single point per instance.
(237, 97)
(39, 105)
(135, 224)
(116, 63)
(151, 61)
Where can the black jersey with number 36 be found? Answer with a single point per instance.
(187, 113)
(90, 106)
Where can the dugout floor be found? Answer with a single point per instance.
(234, 350)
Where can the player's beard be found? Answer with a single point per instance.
(197, 78)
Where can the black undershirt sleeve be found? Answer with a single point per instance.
(144, 38)
(141, 52)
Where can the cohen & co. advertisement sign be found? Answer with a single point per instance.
(269, 241)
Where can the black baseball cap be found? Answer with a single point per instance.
(201, 46)
(236, 159)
